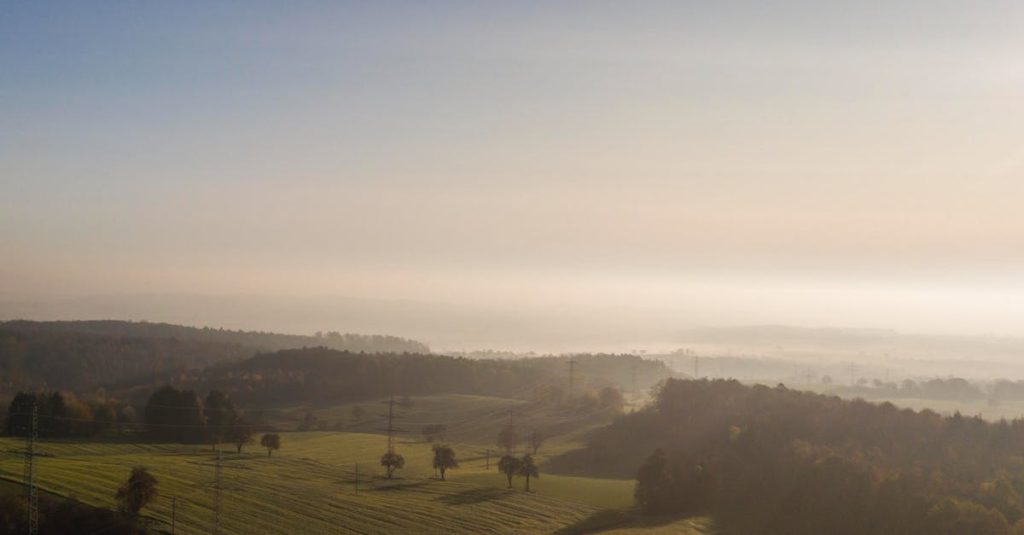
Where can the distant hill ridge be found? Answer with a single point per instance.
(84, 355)
(259, 340)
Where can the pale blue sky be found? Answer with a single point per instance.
(765, 160)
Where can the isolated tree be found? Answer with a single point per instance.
(137, 492)
(508, 438)
(444, 458)
(392, 461)
(241, 434)
(358, 414)
(536, 439)
(271, 441)
(509, 466)
(528, 469)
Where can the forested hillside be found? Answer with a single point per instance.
(262, 341)
(774, 460)
(85, 355)
(324, 376)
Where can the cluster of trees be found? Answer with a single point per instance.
(774, 460)
(62, 415)
(173, 415)
(512, 466)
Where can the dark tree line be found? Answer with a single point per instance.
(173, 415)
(254, 340)
(774, 460)
(62, 415)
(319, 375)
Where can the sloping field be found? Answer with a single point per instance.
(307, 487)
(310, 484)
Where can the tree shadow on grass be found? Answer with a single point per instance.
(394, 485)
(472, 496)
(610, 519)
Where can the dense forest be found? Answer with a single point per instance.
(774, 460)
(168, 406)
(85, 355)
(325, 376)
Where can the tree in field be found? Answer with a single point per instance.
(508, 438)
(392, 461)
(358, 414)
(139, 490)
(528, 469)
(509, 466)
(271, 441)
(444, 458)
(221, 416)
(536, 439)
(241, 434)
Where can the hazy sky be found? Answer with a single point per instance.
(841, 163)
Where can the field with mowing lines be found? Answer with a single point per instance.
(309, 486)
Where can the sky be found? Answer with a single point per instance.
(809, 163)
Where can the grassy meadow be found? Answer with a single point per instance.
(310, 486)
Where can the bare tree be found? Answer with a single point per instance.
(241, 435)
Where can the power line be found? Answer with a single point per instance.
(572, 373)
(30, 473)
(216, 495)
(632, 379)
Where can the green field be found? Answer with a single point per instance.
(309, 486)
